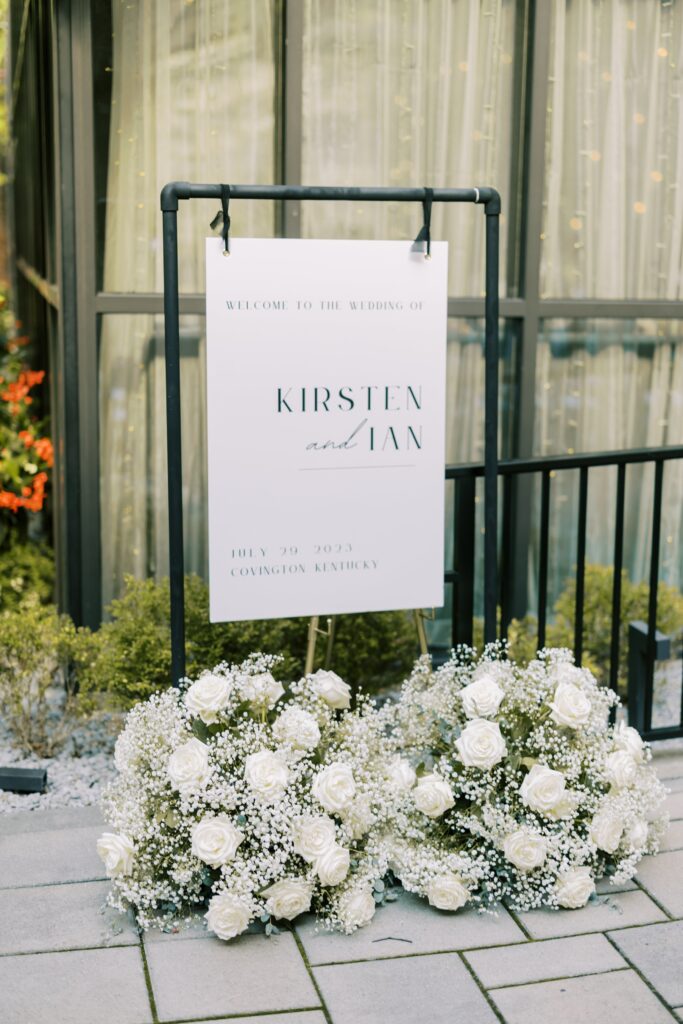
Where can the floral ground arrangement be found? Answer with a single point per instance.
(250, 802)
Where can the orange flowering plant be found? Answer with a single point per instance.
(26, 453)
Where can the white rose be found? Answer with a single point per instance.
(332, 866)
(188, 766)
(289, 898)
(606, 830)
(543, 789)
(621, 769)
(209, 695)
(401, 774)
(334, 787)
(482, 698)
(356, 908)
(313, 835)
(227, 916)
(570, 706)
(629, 739)
(267, 775)
(297, 728)
(117, 852)
(565, 807)
(433, 796)
(574, 887)
(525, 849)
(447, 892)
(261, 690)
(332, 688)
(215, 840)
(481, 744)
(637, 834)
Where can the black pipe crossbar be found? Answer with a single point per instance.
(177, 191)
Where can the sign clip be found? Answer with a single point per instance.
(223, 218)
(424, 238)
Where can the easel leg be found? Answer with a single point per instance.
(310, 648)
(420, 616)
(313, 632)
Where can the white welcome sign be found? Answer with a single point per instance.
(326, 365)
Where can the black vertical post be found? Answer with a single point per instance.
(491, 421)
(169, 206)
(654, 588)
(616, 583)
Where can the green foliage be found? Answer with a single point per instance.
(26, 570)
(36, 658)
(130, 656)
(597, 621)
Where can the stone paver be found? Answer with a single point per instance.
(61, 917)
(210, 978)
(47, 858)
(436, 989)
(661, 876)
(674, 837)
(406, 927)
(302, 1017)
(657, 952)
(606, 913)
(616, 998)
(604, 887)
(669, 762)
(674, 805)
(93, 986)
(45, 821)
(541, 961)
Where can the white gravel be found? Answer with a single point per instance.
(76, 776)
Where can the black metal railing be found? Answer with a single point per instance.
(647, 642)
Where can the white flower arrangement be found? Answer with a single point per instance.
(250, 803)
(524, 791)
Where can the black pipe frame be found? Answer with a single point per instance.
(183, 190)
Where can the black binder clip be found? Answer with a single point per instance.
(424, 238)
(223, 218)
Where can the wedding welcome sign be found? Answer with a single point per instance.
(326, 365)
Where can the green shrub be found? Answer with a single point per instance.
(129, 657)
(36, 646)
(26, 571)
(597, 620)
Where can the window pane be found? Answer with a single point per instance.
(188, 91)
(132, 426)
(465, 436)
(606, 385)
(411, 93)
(613, 224)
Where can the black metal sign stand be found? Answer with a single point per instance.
(177, 190)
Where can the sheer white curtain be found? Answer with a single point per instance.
(193, 98)
(613, 229)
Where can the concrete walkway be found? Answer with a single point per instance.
(66, 960)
